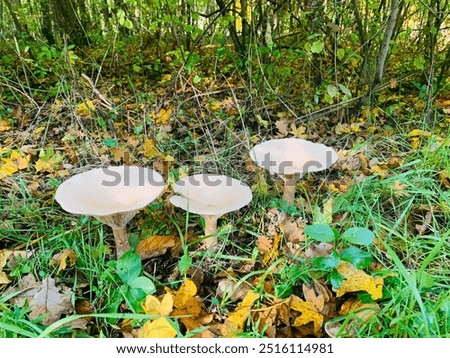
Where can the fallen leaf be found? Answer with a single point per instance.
(235, 322)
(84, 109)
(428, 218)
(282, 127)
(357, 280)
(153, 306)
(227, 288)
(63, 257)
(150, 150)
(162, 116)
(317, 300)
(159, 328)
(308, 312)
(46, 299)
(155, 245)
(399, 188)
(5, 125)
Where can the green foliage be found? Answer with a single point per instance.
(359, 258)
(129, 268)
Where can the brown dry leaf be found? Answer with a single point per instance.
(4, 254)
(357, 280)
(317, 300)
(428, 218)
(282, 127)
(155, 245)
(49, 301)
(399, 187)
(266, 317)
(235, 322)
(444, 178)
(264, 245)
(62, 258)
(308, 313)
(293, 231)
(159, 328)
(317, 250)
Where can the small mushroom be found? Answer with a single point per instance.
(210, 196)
(291, 158)
(112, 195)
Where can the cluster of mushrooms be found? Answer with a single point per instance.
(114, 195)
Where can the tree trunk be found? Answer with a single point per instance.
(16, 21)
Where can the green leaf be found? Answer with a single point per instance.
(340, 54)
(185, 263)
(327, 263)
(345, 90)
(358, 235)
(336, 279)
(358, 258)
(317, 46)
(332, 90)
(143, 283)
(320, 232)
(129, 267)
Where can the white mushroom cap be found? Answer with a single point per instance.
(289, 156)
(208, 194)
(111, 190)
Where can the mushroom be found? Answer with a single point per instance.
(291, 158)
(112, 195)
(210, 196)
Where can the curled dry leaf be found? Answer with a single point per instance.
(308, 312)
(232, 290)
(357, 280)
(155, 245)
(62, 258)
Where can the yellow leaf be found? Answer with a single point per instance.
(153, 306)
(21, 162)
(184, 294)
(159, 328)
(150, 151)
(419, 133)
(328, 211)
(163, 115)
(234, 324)
(380, 170)
(357, 280)
(84, 109)
(308, 313)
(5, 125)
(7, 168)
(274, 250)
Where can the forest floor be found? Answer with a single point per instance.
(392, 177)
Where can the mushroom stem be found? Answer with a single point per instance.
(210, 243)
(121, 240)
(290, 180)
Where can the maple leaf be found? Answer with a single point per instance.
(159, 328)
(308, 312)
(153, 306)
(357, 280)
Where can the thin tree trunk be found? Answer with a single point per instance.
(231, 28)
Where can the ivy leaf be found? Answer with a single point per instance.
(358, 258)
(358, 235)
(320, 232)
